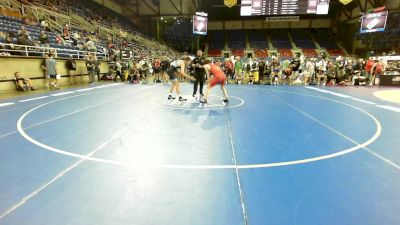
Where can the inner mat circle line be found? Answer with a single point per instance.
(205, 167)
(203, 109)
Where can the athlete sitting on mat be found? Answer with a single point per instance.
(219, 78)
(23, 84)
(177, 68)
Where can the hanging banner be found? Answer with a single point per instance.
(230, 3)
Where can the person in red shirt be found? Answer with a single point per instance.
(368, 67)
(378, 68)
(59, 40)
(218, 78)
(157, 70)
(229, 68)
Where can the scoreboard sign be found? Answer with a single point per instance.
(283, 7)
(374, 22)
(200, 25)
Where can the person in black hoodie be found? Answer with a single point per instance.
(71, 66)
(261, 69)
(358, 76)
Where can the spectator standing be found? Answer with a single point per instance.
(90, 65)
(118, 66)
(157, 70)
(97, 64)
(378, 68)
(229, 68)
(51, 68)
(164, 67)
(261, 70)
(253, 69)
(71, 66)
(238, 70)
(368, 68)
(43, 66)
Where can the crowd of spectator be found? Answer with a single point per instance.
(300, 70)
(128, 39)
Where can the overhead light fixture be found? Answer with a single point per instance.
(162, 18)
(174, 18)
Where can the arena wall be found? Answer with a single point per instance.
(30, 68)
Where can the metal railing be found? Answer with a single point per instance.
(76, 11)
(48, 8)
(5, 3)
(36, 51)
(56, 20)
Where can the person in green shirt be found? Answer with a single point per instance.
(339, 66)
(238, 70)
(285, 64)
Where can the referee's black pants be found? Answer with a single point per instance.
(200, 79)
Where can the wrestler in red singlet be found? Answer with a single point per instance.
(219, 75)
(219, 78)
